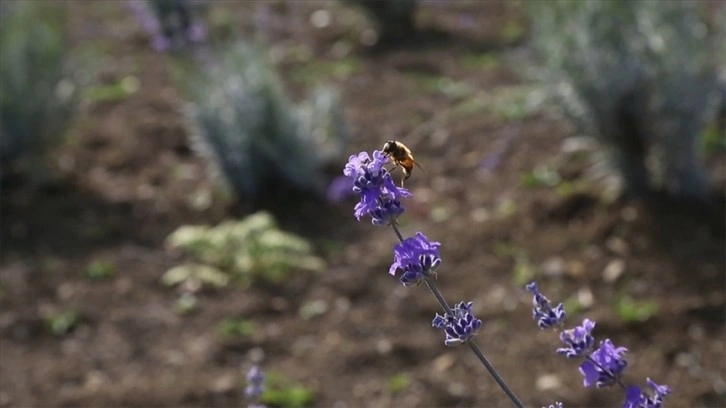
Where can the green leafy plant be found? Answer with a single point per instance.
(398, 382)
(38, 80)
(283, 392)
(244, 251)
(63, 322)
(117, 91)
(541, 176)
(631, 310)
(255, 137)
(231, 327)
(639, 75)
(100, 269)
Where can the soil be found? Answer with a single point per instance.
(128, 177)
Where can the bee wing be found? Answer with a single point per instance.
(419, 166)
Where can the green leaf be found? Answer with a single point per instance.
(100, 269)
(231, 327)
(282, 392)
(63, 322)
(398, 382)
(630, 310)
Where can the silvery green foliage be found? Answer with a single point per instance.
(38, 93)
(639, 75)
(255, 136)
(324, 120)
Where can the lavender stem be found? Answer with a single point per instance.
(489, 367)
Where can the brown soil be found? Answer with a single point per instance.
(129, 178)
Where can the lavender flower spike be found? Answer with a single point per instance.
(417, 258)
(555, 405)
(379, 196)
(542, 310)
(255, 383)
(579, 341)
(460, 325)
(604, 366)
(635, 398)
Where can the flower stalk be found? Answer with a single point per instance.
(415, 258)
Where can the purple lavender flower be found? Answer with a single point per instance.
(387, 212)
(459, 325)
(255, 383)
(635, 398)
(417, 258)
(160, 43)
(196, 32)
(579, 341)
(555, 405)
(146, 17)
(542, 310)
(379, 196)
(604, 366)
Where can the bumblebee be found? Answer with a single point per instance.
(401, 156)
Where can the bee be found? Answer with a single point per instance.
(401, 155)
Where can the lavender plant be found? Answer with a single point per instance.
(171, 24)
(639, 75)
(255, 387)
(257, 139)
(38, 79)
(601, 367)
(416, 260)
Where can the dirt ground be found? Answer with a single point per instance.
(457, 95)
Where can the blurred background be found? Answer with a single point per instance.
(173, 209)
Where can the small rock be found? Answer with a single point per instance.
(554, 267)
(578, 144)
(443, 363)
(585, 297)
(547, 382)
(384, 346)
(320, 18)
(94, 381)
(224, 383)
(613, 270)
(617, 245)
(575, 268)
(457, 389)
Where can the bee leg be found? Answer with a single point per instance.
(407, 174)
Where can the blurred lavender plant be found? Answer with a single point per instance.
(416, 259)
(639, 75)
(393, 18)
(601, 367)
(38, 78)
(255, 387)
(171, 24)
(256, 138)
